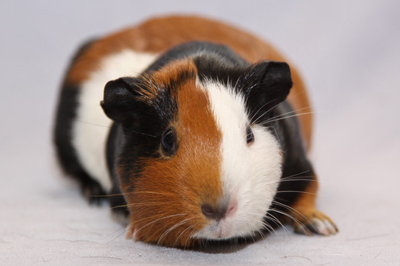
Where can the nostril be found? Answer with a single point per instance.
(218, 213)
(208, 211)
(232, 207)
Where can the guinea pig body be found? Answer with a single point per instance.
(196, 139)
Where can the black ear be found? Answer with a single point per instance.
(267, 84)
(120, 99)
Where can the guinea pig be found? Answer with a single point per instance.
(193, 129)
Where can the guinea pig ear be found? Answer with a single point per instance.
(268, 83)
(120, 99)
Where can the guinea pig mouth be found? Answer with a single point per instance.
(227, 227)
(217, 230)
(223, 232)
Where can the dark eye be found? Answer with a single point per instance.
(168, 142)
(249, 135)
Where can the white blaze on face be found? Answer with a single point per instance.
(250, 172)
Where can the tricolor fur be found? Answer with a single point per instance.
(192, 136)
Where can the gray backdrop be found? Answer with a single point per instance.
(348, 53)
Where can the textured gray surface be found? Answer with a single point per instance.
(348, 53)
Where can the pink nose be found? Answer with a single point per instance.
(232, 207)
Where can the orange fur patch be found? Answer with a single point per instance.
(165, 204)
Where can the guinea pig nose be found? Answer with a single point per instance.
(213, 213)
(210, 212)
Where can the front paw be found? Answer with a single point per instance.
(310, 222)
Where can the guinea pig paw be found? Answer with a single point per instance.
(314, 222)
(130, 233)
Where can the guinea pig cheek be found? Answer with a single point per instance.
(250, 177)
(164, 210)
(255, 181)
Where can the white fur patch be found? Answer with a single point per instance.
(250, 172)
(92, 126)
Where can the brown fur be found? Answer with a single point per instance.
(156, 203)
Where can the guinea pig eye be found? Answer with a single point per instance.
(168, 142)
(249, 135)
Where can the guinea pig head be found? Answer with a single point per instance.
(196, 161)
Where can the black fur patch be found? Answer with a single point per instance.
(141, 121)
(195, 49)
(66, 154)
(296, 166)
(114, 144)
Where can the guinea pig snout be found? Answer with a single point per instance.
(219, 212)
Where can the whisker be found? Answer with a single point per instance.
(150, 192)
(189, 237)
(291, 209)
(133, 192)
(108, 127)
(149, 218)
(289, 216)
(271, 217)
(141, 133)
(162, 218)
(141, 204)
(296, 191)
(176, 240)
(267, 227)
(296, 174)
(292, 112)
(255, 121)
(286, 117)
(92, 124)
(166, 232)
(235, 87)
(299, 179)
(118, 236)
(306, 178)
